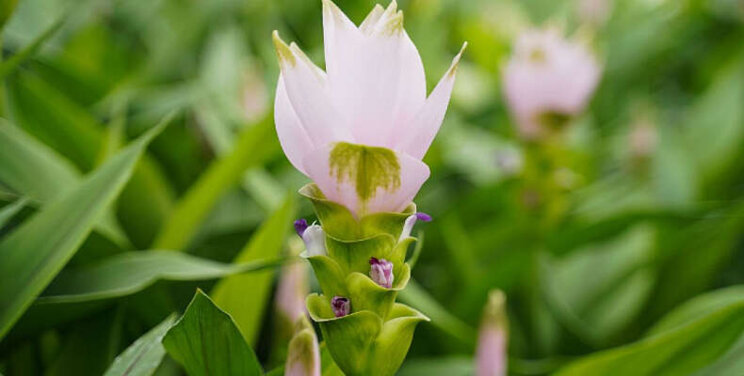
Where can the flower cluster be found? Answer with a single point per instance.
(359, 130)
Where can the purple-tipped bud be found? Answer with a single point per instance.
(300, 226)
(421, 216)
(314, 238)
(381, 271)
(341, 306)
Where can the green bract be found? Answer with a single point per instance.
(374, 338)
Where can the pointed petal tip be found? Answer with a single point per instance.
(283, 51)
(456, 61)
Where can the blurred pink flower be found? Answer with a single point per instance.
(491, 354)
(303, 354)
(254, 97)
(291, 291)
(548, 78)
(373, 93)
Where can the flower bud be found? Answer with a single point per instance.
(303, 356)
(314, 239)
(381, 271)
(411, 221)
(341, 306)
(292, 288)
(491, 356)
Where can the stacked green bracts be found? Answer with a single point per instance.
(373, 336)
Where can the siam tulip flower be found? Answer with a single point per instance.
(410, 222)
(360, 128)
(381, 271)
(341, 306)
(312, 235)
(303, 357)
(491, 356)
(548, 80)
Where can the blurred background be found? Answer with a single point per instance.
(594, 235)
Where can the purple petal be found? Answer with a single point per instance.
(421, 216)
(300, 226)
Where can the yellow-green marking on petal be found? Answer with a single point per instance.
(367, 167)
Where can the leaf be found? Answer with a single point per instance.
(128, 273)
(206, 341)
(681, 350)
(245, 296)
(453, 366)
(30, 168)
(7, 212)
(143, 356)
(418, 298)
(8, 66)
(65, 223)
(599, 310)
(255, 145)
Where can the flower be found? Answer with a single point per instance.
(300, 226)
(491, 357)
(360, 129)
(314, 238)
(303, 356)
(410, 222)
(292, 288)
(341, 306)
(547, 80)
(381, 271)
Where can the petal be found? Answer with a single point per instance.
(343, 187)
(416, 139)
(307, 91)
(292, 135)
(375, 73)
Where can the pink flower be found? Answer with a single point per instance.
(360, 129)
(381, 271)
(491, 354)
(548, 79)
(291, 291)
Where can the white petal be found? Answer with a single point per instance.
(413, 174)
(375, 74)
(292, 135)
(307, 91)
(418, 136)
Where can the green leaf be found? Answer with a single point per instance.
(9, 211)
(255, 145)
(30, 168)
(6, 10)
(206, 341)
(245, 296)
(128, 273)
(596, 311)
(442, 319)
(65, 223)
(143, 356)
(8, 66)
(681, 350)
(451, 366)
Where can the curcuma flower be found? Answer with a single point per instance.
(360, 128)
(548, 80)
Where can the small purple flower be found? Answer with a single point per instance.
(381, 271)
(421, 216)
(341, 306)
(300, 226)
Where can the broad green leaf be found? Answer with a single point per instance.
(143, 356)
(254, 146)
(246, 296)
(64, 223)
(7, 212)
(128, 273)
(206, 341)
(681, 350)
(451, 366)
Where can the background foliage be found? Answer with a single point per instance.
(612, 256)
